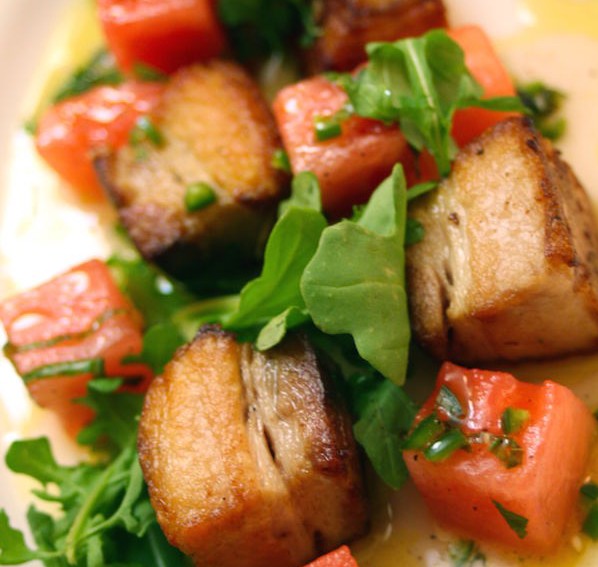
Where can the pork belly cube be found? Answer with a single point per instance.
(249, 457)
(507, 268)
(349, 166)
(212, 128)
(348, 25)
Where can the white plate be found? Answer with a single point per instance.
(43, 228)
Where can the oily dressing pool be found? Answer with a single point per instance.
(45, 228)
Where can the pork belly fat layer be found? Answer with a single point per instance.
(249, 457)
(508, 266)
(217, 130)
(348, 25)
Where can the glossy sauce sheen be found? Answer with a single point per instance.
(551, 40)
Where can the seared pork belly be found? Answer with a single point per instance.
(215, 130)
(249, 457)
(348, 25)
(507, 268)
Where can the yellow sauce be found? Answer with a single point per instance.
(551, 40)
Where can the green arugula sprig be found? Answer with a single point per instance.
(419, 83)
(104, 515)
(345, 278)
(258, 28)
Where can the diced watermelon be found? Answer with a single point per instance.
(349, 166)
(80, 317)
(72, 132)
(165, 34)
(340, 557)
(517, 488)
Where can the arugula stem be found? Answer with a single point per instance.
(74, 534)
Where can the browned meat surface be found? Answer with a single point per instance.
(248, 456)
(217, 129)
(508, 267)
(348, 25)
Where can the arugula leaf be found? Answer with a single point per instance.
(291, 245)
(355, 282)
(105, 514)
(160, 342)
(419, 83)
(257, 28)
(155, 294)
(305, 193)
(274, 331)
(385, 414)
(13, 549)
(113, 414)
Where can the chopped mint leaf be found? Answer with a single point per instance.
(516, 522)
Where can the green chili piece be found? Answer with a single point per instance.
(507, 450)
(426, 432)
(327, 128)
(145, 131)
(280, 160)
(198, 196)
(446, 445)
(513, 419)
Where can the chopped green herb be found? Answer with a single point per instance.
(198, 196)
(145, 72)
(513, 419)
(30, 126)
(446, 445)
(507, 450)
(465, 553)
(544, 104)
(426, 432)
(327, 128)
(280, 160)
(516, 522)
(590, 524)
(99, 70)
(450, 404)
(589, 490)
(94, 366)
(145, 131)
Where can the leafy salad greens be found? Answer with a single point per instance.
(343, 282)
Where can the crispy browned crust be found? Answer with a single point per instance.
(508, 266)
(249, 457)
(348, 25)
(217, 129)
